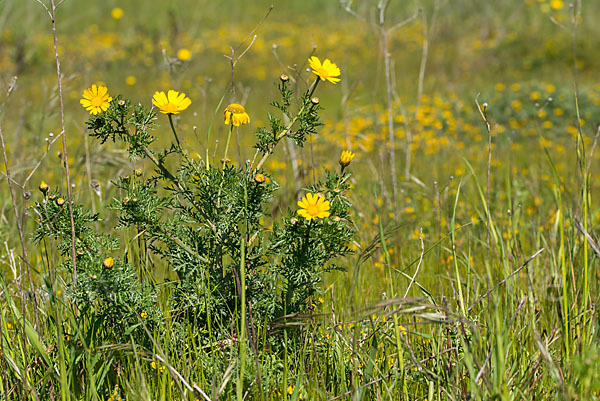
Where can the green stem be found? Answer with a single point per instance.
(173, 129)
(227, 144)
(287, 129)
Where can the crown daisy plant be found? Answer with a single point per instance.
(209, 223)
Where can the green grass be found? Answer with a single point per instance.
(461, 312)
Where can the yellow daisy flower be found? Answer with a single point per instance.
(346, 157)
(96, 99)
(313, 206)
(171, 103)
(236, 113)
(327, 71)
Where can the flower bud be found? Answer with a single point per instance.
(284, 78)
(346, 157)
(60, 201)
(43, 187)
(260, 178)
(314, 100)
(108, 263)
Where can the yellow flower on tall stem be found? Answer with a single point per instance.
(327, 70)
(171, 103)
(96, 99)
(313, 206)
(235, 115)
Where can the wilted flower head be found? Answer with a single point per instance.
(327, 71)
(96, 99)
(236, 113)
(171, 103)
(313, 206)
(346, 157)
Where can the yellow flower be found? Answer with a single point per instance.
(60, 201)
(313, 206)
(327, 71)
(290, 390)
(130, 80)
(117, 13)
(556, 4)
(108, 262)
(143, 315)
(260, 178)
(237, 114)
(171, 103)
(156, 366)
(346, 157)
(96, 99)
(184, 54)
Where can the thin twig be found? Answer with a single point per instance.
(412, 280)
(53, 8)
(504, 280)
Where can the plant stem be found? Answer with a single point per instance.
(174, 131)
(287, 129)
(227, 144)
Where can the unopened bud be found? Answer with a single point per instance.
(43, 187)
(108, 262)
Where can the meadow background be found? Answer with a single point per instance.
(440, 299)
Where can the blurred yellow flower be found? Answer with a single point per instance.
(172, 103)
(96, 99)
(346, 157)
(236, 113)
(117, 13)
(130, 80)
(313, 206)
(327, 71)
(184, 54)
(556, 4)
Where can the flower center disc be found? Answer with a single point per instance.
(96, 101)
(313, 210)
